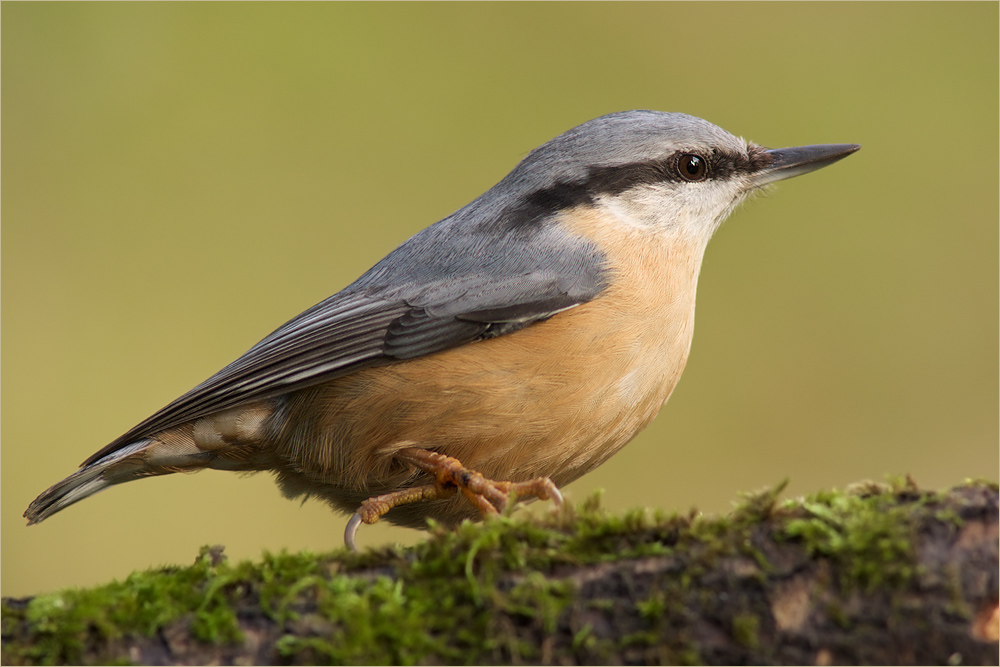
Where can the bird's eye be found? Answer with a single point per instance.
(692, 167)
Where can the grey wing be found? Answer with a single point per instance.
(422, 298)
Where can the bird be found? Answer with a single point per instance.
(499, 353)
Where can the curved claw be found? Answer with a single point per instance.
(351, 531)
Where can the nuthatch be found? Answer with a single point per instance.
(526, 338)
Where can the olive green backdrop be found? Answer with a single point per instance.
(180, 179)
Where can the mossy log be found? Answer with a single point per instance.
(877, 574)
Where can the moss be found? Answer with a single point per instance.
(499, 591)
(759, 506)
(653, 607)
(641, 638)
(868, 532)
(745, 630)
(538, 598)
(583, 640)
(66, 624)
(977, 482)
(356, 621)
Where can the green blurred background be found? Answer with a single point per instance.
(180, 179)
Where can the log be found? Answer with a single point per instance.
(875, 574)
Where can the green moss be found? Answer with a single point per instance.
(653, 607)
(745, 630)
(990, 484)
(64, 624)
(357, 621)
(758, 506)
(642, 638)
(495, 591)
(868, 532)
(538, 598)
(583, 640)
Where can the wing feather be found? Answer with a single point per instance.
(436, 291)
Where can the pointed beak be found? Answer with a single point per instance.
(791, 162)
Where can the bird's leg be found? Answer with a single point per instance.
(487, 495)
(374, 508)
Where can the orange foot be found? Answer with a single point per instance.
(489, 496)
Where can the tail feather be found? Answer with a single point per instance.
(76, 487)
(227, 440)
(144, 458)
(83, 483)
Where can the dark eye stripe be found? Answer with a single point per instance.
(615, 180)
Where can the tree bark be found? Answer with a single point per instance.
(878, 574)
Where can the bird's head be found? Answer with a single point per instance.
(665, 172)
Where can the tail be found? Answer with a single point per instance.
(144, 458)
(226, 440)
(85, 482)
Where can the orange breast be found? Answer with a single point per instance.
(556, 399)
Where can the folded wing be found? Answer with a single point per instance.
(437, 291)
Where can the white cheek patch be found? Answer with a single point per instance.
(641, 208)
(707, 204)
(693, 210)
